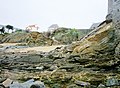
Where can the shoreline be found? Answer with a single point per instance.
(12, 47)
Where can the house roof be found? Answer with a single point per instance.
(54, 26)
(95, 25)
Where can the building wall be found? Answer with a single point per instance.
(110, 6)
(110, 9)
(116, 12)
(116, 20)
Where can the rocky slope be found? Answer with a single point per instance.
(101, 41)
(93, 62)
(32, 39)
(59, 36)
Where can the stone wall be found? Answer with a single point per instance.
(110, 6)
(116, 22)
(113, 10)
(116, 12)
(110, 10)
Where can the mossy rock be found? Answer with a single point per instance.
(92, 78)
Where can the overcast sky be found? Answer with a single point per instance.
(66, 13)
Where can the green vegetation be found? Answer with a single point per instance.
(67, 36)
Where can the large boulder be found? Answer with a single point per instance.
(103, 40)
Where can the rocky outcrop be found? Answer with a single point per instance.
(38, 39)
(15, 38)
(32, 39)
(92, 62)
(2, 36)
(103, 40)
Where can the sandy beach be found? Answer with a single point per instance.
(26, 49)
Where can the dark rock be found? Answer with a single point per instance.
(75, 59)
(118, 70)
(2, 80)
(37, 84)
(1, 85)
(109, 17)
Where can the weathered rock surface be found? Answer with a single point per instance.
(93, 62)
(98, 51)
(103, 40)
(8, 83)
(32, 39)
(16, 38)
